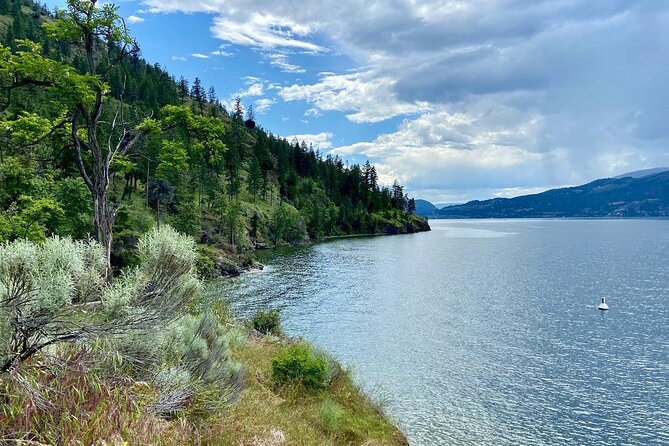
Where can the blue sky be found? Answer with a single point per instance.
(457, 99)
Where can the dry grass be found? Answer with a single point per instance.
(77, 408)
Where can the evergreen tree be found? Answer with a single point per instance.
(197, 94)
(213, 99)
(17, 20)
(397, 196)
(250, 113)
(255, 178)
(10, 38)
(238, 109)
(411, 206)
(4, 7)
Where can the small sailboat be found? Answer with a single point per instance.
(603, 306)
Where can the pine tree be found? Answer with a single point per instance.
(411, 206)
(250, 113)
(212, 95)
(4, 7)
(183, 88)
(397, 196)
(237, 109)
(255, 178)
(17, 20)
(197, 94)
(10, 38)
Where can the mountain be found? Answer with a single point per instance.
(647, 196)
(644, 173)
(424, 208)
(443, 205)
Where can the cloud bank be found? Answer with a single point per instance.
(497, 95)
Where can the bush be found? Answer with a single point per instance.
(267, 322)
(301, 365)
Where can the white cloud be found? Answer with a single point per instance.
(221, 53)
(200, 56)
(179, 58)
(459, 151)
(368, 97)
(320, 141)
(263, 31)
(255, 89)
(313, 112)
(263, 105)
(135, 19)
(280, 60)
(501, 94)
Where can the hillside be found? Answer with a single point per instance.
(121, 190)
(424, 208)
(647, 196)
(643, 173)
(209, 172)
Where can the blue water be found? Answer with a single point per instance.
(487, 332)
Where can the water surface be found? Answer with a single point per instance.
(486, 332)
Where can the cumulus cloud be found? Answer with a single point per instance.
(280, 60)
(365, 96)
(320, 141)
(499, 95)
(135, 19)
(200, 56)
(254, 89)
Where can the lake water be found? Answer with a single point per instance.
(486, 332)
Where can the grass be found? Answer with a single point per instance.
(338, 414)
(83, 409)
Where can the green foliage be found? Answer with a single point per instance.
(42, 285)
(15, 176)
(206, 172)
(200, 376)
(74, 198)
(84, 18)
(301, 365)
(173, 160)
(267, 322)
(205, 264)
(288, 226)
(331, 416)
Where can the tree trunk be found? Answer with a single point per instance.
(104, 222)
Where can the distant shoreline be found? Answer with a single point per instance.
(547, 218)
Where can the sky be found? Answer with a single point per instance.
(457, 100)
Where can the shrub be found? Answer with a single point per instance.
(42, 287)
(200, 375)
(267, 322)
(301, 365)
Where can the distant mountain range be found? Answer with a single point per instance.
(643, 193)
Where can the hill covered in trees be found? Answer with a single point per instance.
(627, 196)
(110, 171)
(96, 140)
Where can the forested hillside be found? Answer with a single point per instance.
(97, 141)
(626, 196)
(110, 172)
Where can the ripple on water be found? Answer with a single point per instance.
(487, 333)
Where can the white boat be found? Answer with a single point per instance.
(603, 305)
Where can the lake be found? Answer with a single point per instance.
(486, 332)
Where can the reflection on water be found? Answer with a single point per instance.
(486, 332)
